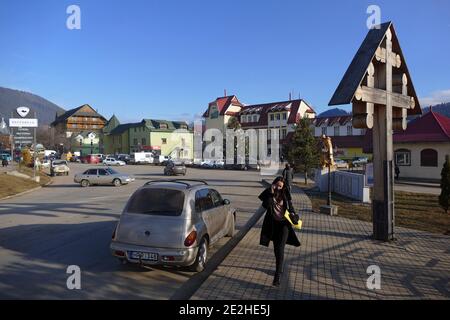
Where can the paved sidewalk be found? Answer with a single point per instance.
(332, 263)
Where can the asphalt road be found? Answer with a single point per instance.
(43, 232)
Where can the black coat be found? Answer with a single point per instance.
(267, 228)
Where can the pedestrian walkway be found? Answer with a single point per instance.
(332, 263)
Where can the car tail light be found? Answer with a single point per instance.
(168, 258)
(190, 239)
(119, 253)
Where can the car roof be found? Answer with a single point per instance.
(179, 184)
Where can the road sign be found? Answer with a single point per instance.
(23, 122)
(24, 136)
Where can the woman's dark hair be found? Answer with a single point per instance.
(278, 179)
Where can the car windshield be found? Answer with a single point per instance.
(165, 202)
(58, 163)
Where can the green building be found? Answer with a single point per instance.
(162, 137)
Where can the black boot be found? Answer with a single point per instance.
(276, 280)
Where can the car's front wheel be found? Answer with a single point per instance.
(117, 182)
(202, 256)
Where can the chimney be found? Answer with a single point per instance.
(224, 92)
(290, 96)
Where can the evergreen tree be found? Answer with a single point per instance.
(303, 150)
(444, 197)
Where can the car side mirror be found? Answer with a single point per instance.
(226, 202)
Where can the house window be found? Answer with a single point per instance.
(271, 117)
(183, 142)
(324, 130)
(164, 140)
(135, 141)
(163, 126)
(403, 157)
(336, 131)
(144, 142)
(428, 158)
(284, 116)
(243, 119)
(255, 118)
(349, 130)
(278, 116)
(249, 118)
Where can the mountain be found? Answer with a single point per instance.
(11, 99)
(333, 113)
(443, 108)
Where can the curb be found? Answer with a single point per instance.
(190, 287)
(26, 191)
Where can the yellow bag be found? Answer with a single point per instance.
(296, 226)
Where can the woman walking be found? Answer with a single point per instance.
(276, 200)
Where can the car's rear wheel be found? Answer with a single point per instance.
(84, 183)
(202, 256)
(117, 182)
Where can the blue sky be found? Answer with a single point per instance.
(168, 59)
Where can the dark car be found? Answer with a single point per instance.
(173, 168)
(124, 157)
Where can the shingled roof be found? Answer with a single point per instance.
(356, 72)
(264, 109)
(76, 111)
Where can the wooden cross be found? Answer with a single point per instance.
(376, 83)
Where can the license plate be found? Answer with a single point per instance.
(143, 256)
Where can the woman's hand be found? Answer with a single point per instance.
(272, 189)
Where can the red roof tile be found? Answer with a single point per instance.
(432, 127)
(222, 104)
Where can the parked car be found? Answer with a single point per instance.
(219, 164)
(341, 163)
(187, 162)
(124, 157)
(59, 167)
(6, 156)
(207, 164)
(162, 160)
(91, 159)
(173, 168)
(113, 162)
(75, 159)
(172, 222)
(142, 158)
(45, 163)
(359, 161)
(102, 176)
(235, 166)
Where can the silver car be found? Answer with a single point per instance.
(172, 222)
(102, 176)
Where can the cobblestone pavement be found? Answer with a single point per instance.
(332, 263)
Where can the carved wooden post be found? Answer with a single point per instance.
(376, 83)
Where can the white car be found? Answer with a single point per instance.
(113, 162)
(341, 164)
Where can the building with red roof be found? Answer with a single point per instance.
(281, 115)
(420, 150)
